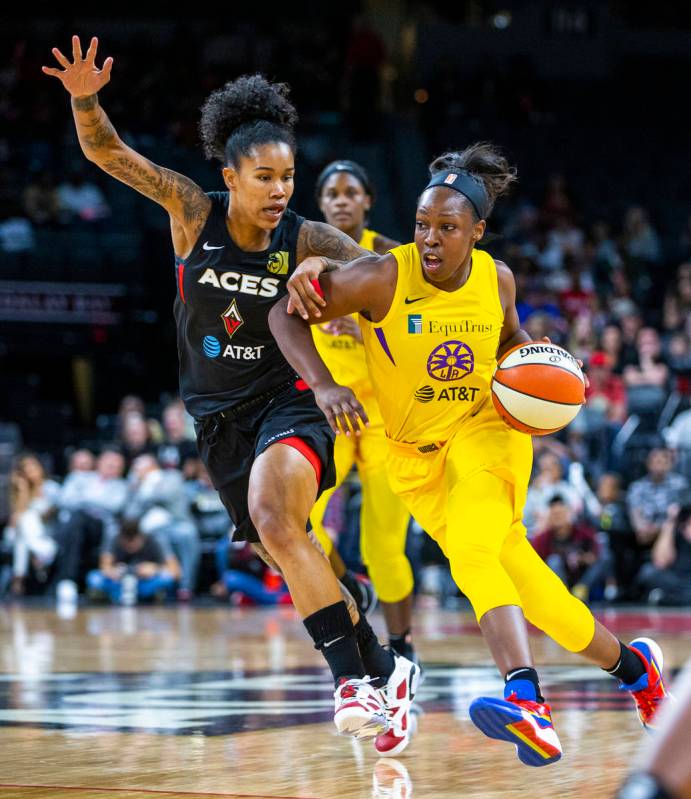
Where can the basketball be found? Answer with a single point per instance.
(538, 388)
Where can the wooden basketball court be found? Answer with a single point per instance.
(129, 703)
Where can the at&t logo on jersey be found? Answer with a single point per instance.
(426, 394)
(231, 319)
(278, 262)
(415, 324)
(452, 360)
(211, 346)
(241, 283)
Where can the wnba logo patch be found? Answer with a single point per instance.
(452, 360)
(278, 262)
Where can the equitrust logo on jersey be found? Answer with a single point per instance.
(415, 324)
(278, 262)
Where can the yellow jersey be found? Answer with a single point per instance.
(345, 355)
(432, 357)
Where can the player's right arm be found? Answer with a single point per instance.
(187, 205)
(366, 286)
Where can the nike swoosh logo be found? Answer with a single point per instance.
(207, 246)
(409, 301)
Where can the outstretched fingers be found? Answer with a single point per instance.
(76, 49)
(91, 52)
(61, 59)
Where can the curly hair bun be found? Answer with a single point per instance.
(245, 101)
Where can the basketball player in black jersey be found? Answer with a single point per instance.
(261, 432)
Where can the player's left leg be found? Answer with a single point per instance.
(549, 605)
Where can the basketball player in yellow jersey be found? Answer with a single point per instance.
(435, 316)
(345, 196)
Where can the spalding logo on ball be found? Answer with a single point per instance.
(538, 388)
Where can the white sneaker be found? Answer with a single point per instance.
(398, 694)
(359, 709)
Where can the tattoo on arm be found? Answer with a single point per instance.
(179, 195)
(162, 185)
(337, 248)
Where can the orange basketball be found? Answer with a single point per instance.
(538, 388)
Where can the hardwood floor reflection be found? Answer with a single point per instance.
(201, 703)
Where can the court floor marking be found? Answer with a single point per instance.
(157, 791)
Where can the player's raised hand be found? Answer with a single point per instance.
(81, 78)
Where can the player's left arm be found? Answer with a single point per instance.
(511, 333)
(320, 248)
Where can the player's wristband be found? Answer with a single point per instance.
(317, 287)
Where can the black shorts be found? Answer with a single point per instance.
(228, 445)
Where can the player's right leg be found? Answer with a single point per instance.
(480, 513)
(361, 591)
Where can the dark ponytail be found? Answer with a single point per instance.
(483, 160)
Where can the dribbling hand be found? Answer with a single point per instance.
(342, 409)
(81, 78)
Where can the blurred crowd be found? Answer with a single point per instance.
(601, 255)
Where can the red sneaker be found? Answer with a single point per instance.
(649, 691)
(398, 694)
(359, 709)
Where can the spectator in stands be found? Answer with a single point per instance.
(631, 324)
(582, 340)
(678, 434)
(649, 368)
(82, 200)
(16, 231)
(611, 344)
(91, 504)
(649, 498)
(571, 550)
(606, 394)
(81, 460)
(135, 436)
(667, 579)
(612, 524)
(548, 483)
(158, 500)
(33, 500)
(40, 200)
(640, 240)
(176, 448)
(557, 204)
(134, 561)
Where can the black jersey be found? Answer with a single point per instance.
(227, 353)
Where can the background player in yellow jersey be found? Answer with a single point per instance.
(345, 196)
(435, 316)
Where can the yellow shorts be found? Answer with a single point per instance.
(468, 493)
